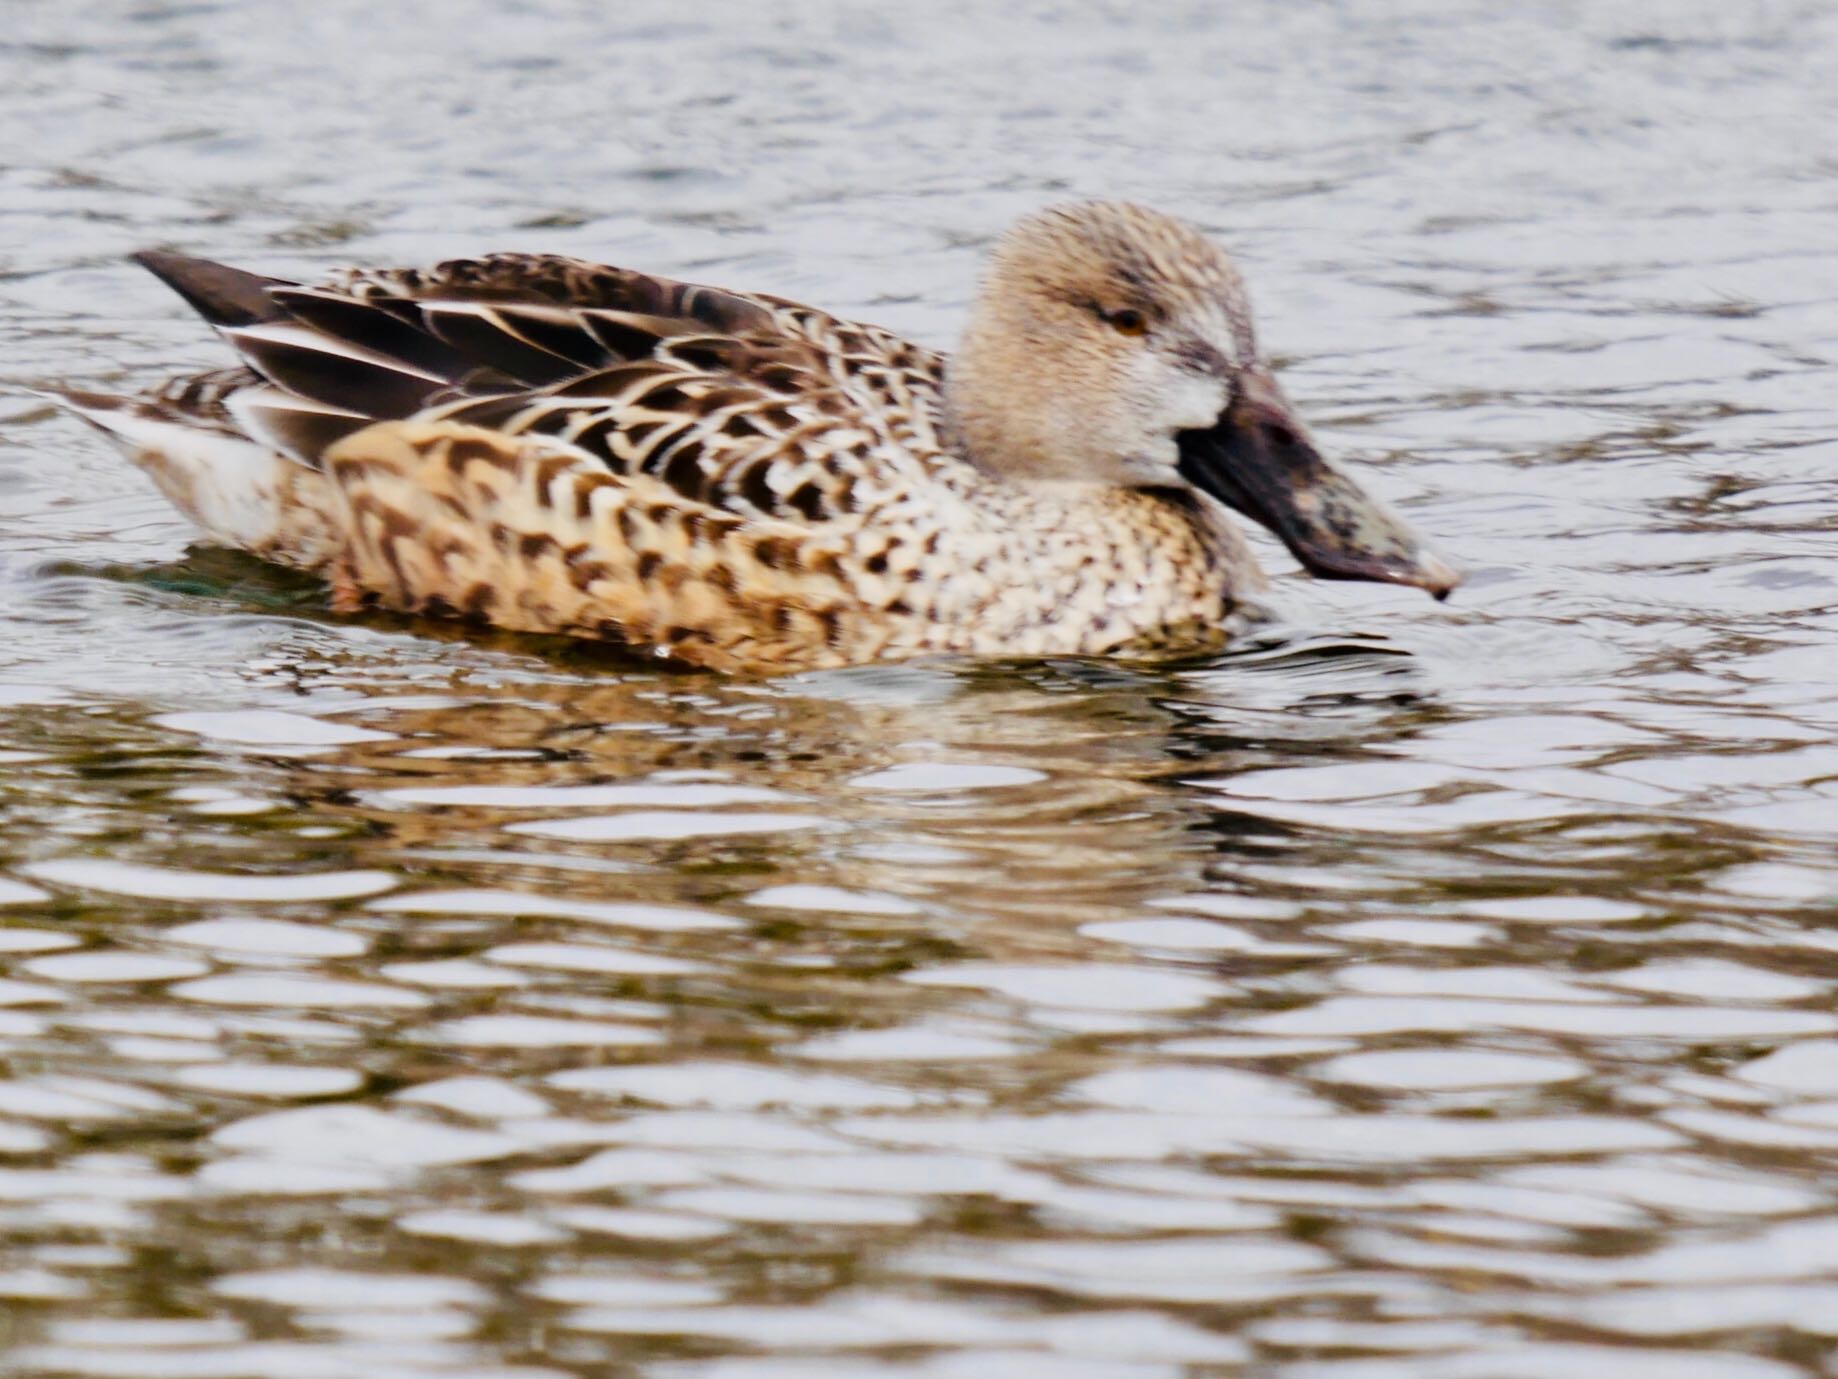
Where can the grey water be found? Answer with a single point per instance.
(1414, 992)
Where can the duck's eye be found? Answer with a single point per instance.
(1126, 321)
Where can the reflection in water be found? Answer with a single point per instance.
(546, 1021)
(1407, 993)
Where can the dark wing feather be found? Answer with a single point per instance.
(397, 334)
(737, 402)
(222, 295)
(334, 372)
(387, 344)
(491, 336)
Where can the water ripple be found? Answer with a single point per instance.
(1409, 992)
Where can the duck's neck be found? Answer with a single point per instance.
(1016, 409)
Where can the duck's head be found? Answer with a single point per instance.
(1111, 344)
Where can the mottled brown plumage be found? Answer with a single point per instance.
(746, 483)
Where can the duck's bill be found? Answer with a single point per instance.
(1259, 460)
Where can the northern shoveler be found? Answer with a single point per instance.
(743, 482)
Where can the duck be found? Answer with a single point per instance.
(744, 483)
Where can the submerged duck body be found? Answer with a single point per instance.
(741, 482)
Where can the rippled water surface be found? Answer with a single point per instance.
(1416, 992)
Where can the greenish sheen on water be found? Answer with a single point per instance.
(1413, 992)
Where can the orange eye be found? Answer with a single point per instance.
(1127, 321)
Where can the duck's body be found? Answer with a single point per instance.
(735, 481)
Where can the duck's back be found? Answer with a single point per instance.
(706, 389)
(550, 445)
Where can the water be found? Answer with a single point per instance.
(1413, 992)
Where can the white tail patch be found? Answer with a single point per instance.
(230, 486)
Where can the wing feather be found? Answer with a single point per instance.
(332, 371)
(488, 335)
(296, 426)
(385, 331)
(739, 404)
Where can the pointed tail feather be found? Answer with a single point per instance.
(121, 419)
(82, 403)
(222, 295)
(239, 491)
